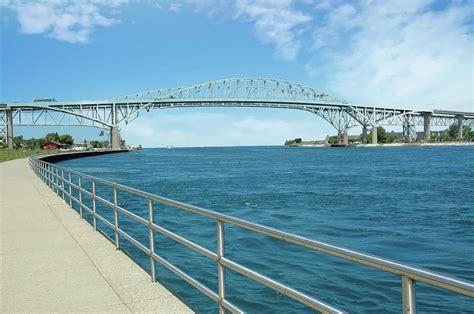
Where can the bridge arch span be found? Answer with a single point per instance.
(251, 92)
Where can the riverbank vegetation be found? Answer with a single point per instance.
(10, 154)
(99, 144)
(383, 137)
(26, 147)
(37, 143)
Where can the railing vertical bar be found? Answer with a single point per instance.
(70, 189)
(53, 178)
(47, 175)
(220, 267)
(151, 234)
(408, 295)
(56, 171)
(62, 182)
(80, 195)
(94, 219)
(48, 168)
(116, 222)
(51, 182)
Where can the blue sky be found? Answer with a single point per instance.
(396, 53)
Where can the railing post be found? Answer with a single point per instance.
(94, 219)
(220, 267)
(80, 195)
(151, 235)
(56, 179)
(62, 182)
(70, 190)
(408, 295)
(116, 222)
(42, 172)
(53, 178)
(51, 172)
(48, 175)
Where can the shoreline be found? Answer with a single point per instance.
(392, 145)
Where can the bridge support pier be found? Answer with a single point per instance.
(364, 135)
(409, 129)
(460, 127)
(427, 126)
(9, 125)
(343, 137)
(114, 137)
(374, 135)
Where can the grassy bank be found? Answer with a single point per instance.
(10, 154)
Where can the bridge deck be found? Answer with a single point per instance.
(51, 261)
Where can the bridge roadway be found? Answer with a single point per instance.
(52, 261)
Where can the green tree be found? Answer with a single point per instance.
(104, 144)
(333, 140)
(454, 129)
(446, 137)
(52, 137)
(32, 143)
(297, 140)
(434, 136)
(66, 139)
(380, 135)
(17, 140)
(389, 138)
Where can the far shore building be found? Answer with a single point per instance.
(54, 145)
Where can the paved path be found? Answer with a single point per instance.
(52, 261)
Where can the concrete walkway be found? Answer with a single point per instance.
(52, 261)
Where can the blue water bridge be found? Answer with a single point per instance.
(112, 114)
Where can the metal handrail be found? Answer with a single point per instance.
(49, 173)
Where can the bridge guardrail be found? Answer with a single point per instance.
(58, 178)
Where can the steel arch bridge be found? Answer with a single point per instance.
(114, 113)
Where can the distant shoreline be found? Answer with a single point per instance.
(328, 145)
(391, 144)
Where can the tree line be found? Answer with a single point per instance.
(37, 143)
(450, 135)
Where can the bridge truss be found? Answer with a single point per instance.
(114, 113)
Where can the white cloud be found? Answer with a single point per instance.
(175, 7)
(199, 127)
(70, 21)
(399, 53)
(276, 22)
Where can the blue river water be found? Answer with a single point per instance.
(411, 204)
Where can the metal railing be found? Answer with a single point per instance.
(54, 176)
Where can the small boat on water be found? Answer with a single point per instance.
(169, 147)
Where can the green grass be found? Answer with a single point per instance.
(10, 154)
